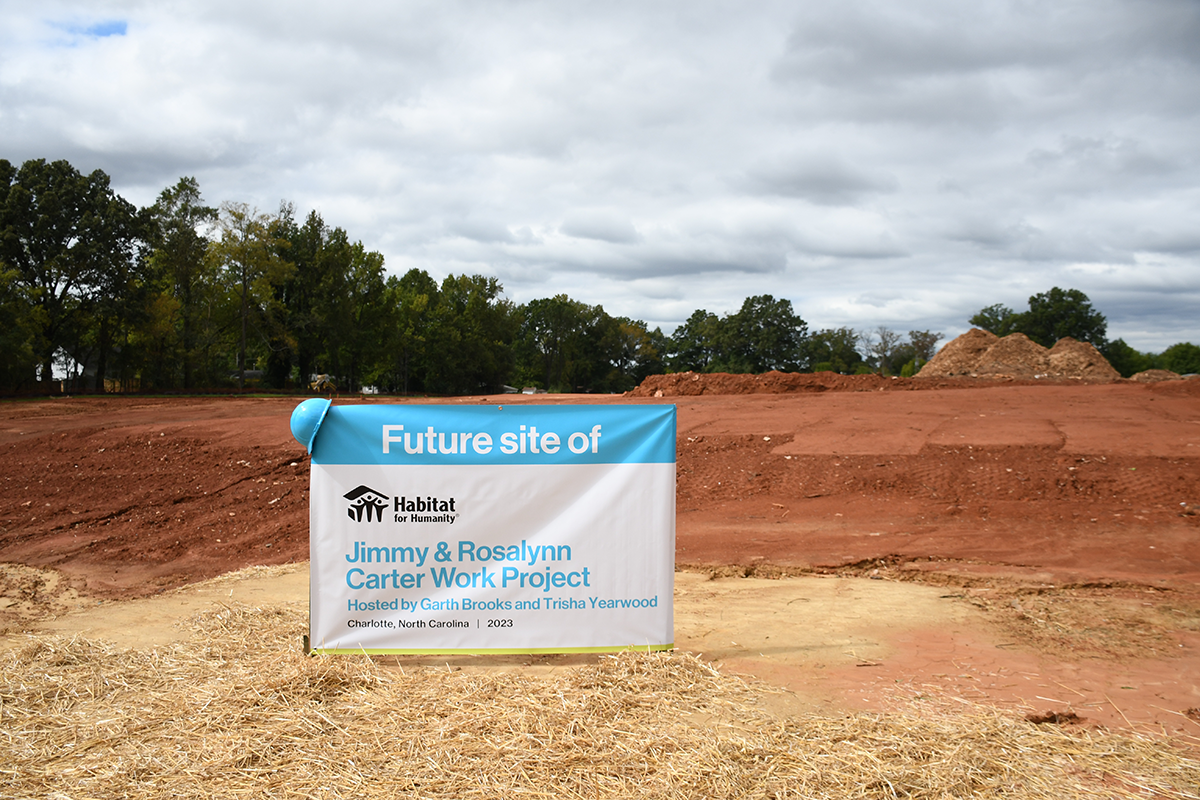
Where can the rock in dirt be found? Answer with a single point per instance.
(1055, 718)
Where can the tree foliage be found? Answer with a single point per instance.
(694, 344)
(884, 347)
(1060, 313)
(1051, 316)
(924, 345)
(1183, 357)
(833, 350)
(764, 334)
(68, 244)
(178, 226)
(565, 345)
(247, 256)
(1126, 360)
(20, 333)
(998, 319)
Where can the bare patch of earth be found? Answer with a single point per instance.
(1027, 546)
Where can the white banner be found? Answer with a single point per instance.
(491, 530)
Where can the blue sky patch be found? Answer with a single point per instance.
(98, 30)
(114, 27)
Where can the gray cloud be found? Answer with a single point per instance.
(600, 224)
(875, 163)
(826, 180)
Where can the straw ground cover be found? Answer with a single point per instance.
(236, 711)
(1074, 621)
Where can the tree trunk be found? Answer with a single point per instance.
(242, 348)
(102, 355)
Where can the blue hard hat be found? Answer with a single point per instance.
(307, 418)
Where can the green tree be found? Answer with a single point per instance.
(998, 319)
(567, 346)
(366, 313)
(410, 301)
(1126, 360)
(68, 238)
(886, 351)
(472, 330)
(120, 303)
(915, 352)
(247, 254)
(308, 299)
(547, 337)
(19, 345)
(324, 328)
(633, 352)
(331, 312)
(694, 344)
(1060, 313)
(924, 344)
(832, 350)
(179, 224)
(765, 334)
(1052, 315)
(1183, 358)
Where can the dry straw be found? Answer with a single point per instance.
(237, 712)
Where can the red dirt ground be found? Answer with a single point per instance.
(1064, 512)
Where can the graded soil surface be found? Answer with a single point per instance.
(857, 542)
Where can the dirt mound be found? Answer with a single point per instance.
(1072, 358)
(691, 384)
(1156, 375)
(684, 384)
(1014, 356)
(981, 354)
(960, 356)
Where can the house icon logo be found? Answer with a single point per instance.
(366, 499)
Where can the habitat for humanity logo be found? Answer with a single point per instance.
(365, 499)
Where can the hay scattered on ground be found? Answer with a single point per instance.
(238, 712)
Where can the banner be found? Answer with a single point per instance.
(490, 529)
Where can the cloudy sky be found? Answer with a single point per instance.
(898, 164)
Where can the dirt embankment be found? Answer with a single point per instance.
(129, 496)
(1056, 519)
(694, 384)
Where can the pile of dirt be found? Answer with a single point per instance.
(980, 354)
(1014, 356)
(691, 384)
(684, 384)
(961, 356)
(1156, 375)
(1072, 358)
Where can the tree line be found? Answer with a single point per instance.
(99, 295)
(181, 296)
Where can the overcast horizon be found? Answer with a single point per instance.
(877, 164)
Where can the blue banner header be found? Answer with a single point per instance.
(523, 434)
